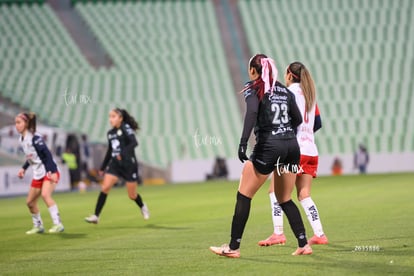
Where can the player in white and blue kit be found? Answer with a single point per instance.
(45, 173)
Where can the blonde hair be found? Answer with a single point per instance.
(302, 75)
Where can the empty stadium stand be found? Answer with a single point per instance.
(169, 74)
(169, 69)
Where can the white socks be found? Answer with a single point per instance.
(277, 214)
(37, 220)
(310, 210)
(54, 213)
(313, 216)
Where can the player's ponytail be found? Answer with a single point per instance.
(302, 75)
(266, 68)
(127, 118)
(31, 123)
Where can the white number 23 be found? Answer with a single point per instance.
(278, 117)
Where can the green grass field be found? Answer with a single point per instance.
(373, 210)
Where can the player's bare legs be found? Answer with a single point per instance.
(47, 191)
(303, 186)
(31, 201)
(250, 180)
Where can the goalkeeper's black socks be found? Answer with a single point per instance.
(100, 203)
(241, 214)
(295, 221)
(138, 200)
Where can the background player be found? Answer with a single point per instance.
(120, 161)
(272, 110)
(300, 82)
(45, 173)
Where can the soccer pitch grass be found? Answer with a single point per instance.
(356, 211)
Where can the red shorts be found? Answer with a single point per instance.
(309, 165)
(38, 183)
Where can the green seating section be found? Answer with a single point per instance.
(21, 2)
(169, 71)
(361, 56)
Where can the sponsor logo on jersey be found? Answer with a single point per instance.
(281, 130)
(119, 132)
(278, 98)
(115, 147)
(280, 89)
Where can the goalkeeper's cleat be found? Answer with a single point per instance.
(273, 239)
(57, 228)
(36, 230)
(306, 250)
(92, 219)
(145, 212)
(225, 251)
(318, 240)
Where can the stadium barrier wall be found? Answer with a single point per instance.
(184, 171)
(378, 163)
(11, 185)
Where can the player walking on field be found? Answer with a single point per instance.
(120, 161)
(45, 173)
(270, 109)
(300, 82)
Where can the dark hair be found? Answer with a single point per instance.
(302, 75)
(30, 119)
(127, 118)
(258, 84)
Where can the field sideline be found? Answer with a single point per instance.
(356, 211)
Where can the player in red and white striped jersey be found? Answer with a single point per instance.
(300, 82)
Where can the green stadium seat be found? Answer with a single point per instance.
(360, 55)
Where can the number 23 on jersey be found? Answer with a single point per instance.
(281, 113)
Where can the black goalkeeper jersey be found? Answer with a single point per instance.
(121, 141)
(276, 114)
